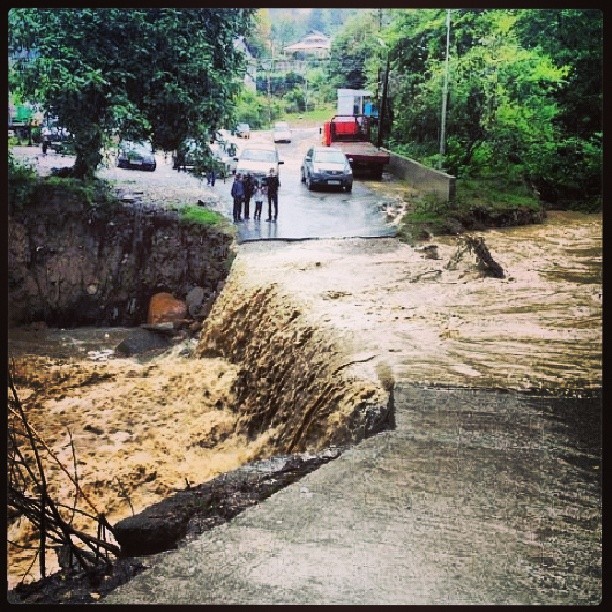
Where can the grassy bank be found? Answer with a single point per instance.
(479, 204)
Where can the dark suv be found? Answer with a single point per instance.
(139, 155)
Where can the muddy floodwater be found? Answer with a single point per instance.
(143, 427)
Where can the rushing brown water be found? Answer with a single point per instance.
(146, 427)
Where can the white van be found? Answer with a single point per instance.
(257, 159)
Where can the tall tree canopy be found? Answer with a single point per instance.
(352, 48)
(524, 96)
(159, 73)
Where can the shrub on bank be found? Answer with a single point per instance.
(479, 204)
(202, 216)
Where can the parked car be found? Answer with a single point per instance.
(190, 153)
(282, 132)
(136, 155)
(226, 155)
(326, 166)
(257, 159)
(243, 130)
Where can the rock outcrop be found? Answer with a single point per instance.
(195, 510)
(72, 262)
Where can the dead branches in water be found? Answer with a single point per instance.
(486, 263)
(28, 496)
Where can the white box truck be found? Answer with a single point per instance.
(352, 101)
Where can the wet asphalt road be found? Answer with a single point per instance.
(304, 214)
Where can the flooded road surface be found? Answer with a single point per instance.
(498, 493)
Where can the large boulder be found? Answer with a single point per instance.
(164, 307)
(143, 341)
(194, 300)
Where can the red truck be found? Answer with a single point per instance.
(351, 134)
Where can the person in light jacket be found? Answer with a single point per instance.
(258, 196)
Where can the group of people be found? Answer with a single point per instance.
(247, 187)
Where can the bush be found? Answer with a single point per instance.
(22, 180)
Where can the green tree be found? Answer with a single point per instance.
(149, 73)
(351, 50)
(288, 26)
(259, 39)
(573, 38)
(318, 20)
(501, 105)
(525, 95)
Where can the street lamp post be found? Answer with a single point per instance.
(444, 95)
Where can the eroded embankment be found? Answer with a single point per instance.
(291, 381)
(73, 262)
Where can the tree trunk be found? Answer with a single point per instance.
(88, 156)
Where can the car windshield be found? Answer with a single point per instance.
(259, 155)
(335, 157)
(139, 147)
(281, 126)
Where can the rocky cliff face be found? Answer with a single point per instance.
(73, 263)
(292, 380)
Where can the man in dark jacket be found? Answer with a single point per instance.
(272, 195)
(249, 188)
(238, 195)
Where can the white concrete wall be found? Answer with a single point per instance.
(423, 178)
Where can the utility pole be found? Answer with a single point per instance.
(444, 95)
(267, 66)
(269, 108)
(383, 105)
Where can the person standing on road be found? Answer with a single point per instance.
(238, 195)
(249, 186)
(272, 195)
(258, 196)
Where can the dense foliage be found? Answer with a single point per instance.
(162, 74)
(524, 91)
(524, 87)
(524, 97)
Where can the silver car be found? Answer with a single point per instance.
(326, 167)
(282, 132)
(257, 160)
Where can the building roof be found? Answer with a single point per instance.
(313, 41)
